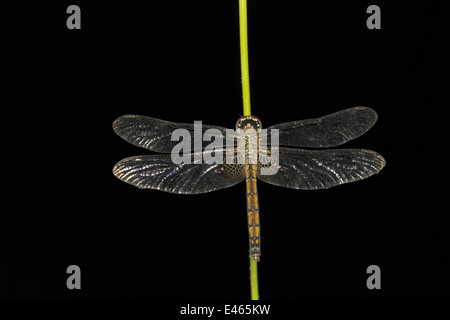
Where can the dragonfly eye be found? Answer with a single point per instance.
(253, 121)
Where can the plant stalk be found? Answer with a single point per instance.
(254, 292)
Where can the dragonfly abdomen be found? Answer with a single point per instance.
(253, 211)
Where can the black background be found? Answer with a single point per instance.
(179, 61)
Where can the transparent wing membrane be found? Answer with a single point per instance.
(322, 169)
(155, 134)
(160, 173)
(328, 131)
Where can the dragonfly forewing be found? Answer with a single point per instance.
(155, 134)
(328, 131)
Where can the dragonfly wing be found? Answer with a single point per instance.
(322, 169)
(329, 131)
(155, 134)
(160, 173)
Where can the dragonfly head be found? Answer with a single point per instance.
(249, 122)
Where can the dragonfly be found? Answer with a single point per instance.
(295, 167)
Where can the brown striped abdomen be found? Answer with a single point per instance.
(253, 211)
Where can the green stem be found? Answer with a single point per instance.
(244, 56)
(254, 279)
(247, 112)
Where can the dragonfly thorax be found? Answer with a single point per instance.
(249, 122)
